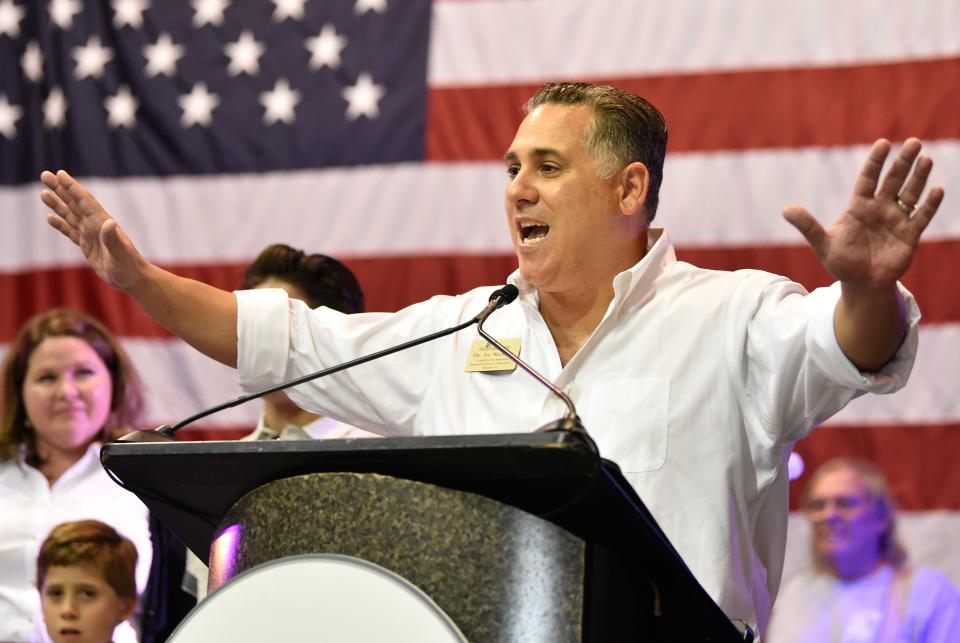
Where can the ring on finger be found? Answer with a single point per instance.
(905, 207)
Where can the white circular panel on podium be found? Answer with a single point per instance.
(318, 597)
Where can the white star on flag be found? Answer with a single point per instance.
(91, 58)
(198, 106)
(129, 12)
(325, 48)
(55, 109)
(32, 61)
(363, 98)
(9, 115)
(244, 55)
(10, 17)
(208, 12)
(288, 9)
(121, 108)
(63, 11)
(363, 6)
(162, 56)
(280, 103)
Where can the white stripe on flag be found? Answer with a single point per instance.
(708, 199)
(516, 41)
(931, 394)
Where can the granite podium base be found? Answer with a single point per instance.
(499, 573)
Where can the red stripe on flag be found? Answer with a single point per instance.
(37, 291)
(717, 111)
(391, 283)
(201, 434)
(930, 277)
(919, 461)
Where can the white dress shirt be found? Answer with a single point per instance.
(30, 508)
(696, 382)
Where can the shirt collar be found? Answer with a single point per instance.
(93, 450)
(660, 255)
(89, 459)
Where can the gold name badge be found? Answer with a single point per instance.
(484, 357)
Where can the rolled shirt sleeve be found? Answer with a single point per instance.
(280, 339)
(797, 374)
(826, 353)
(263, 337)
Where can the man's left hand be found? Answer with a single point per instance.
(871, 244)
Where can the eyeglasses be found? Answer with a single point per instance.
(842, 503)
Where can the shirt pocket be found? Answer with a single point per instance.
(628, 421)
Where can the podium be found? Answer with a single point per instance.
(516, 537)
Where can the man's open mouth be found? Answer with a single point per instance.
(532, 233)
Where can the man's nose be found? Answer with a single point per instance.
(521, 190)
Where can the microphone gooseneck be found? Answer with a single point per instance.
(570, 421)
(500, 297)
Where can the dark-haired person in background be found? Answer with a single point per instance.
(318, 280)
(696, 382)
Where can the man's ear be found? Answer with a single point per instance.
(634, 179)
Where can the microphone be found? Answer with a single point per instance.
(570, 421)
(500, 297)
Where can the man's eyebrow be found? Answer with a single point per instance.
(538, 152)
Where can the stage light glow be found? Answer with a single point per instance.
(795, 466)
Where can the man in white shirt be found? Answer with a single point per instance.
(696, 382)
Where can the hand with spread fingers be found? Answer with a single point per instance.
(202, 315)
(81, 218)
(870, 246)
(873, 242)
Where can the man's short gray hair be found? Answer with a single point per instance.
(625, 128)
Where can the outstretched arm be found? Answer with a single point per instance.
(870, 246)
(203, 316)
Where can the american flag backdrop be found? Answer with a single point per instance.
(372, 130)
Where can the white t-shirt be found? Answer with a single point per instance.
(814, 607)
(30, 508)
(696, 382)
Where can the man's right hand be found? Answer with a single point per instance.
(203, 316)
(80, 217)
